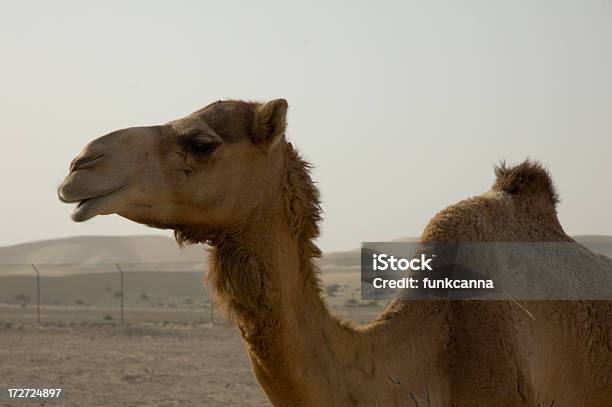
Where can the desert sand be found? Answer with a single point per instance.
(104, 364)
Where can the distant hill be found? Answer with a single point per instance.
(597, 243)
(93, 250)
(102, 249)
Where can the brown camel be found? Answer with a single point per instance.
(225, 175)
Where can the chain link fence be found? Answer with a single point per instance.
(138, 292)
(113, 292)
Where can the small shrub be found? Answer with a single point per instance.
(351, 302)
(108, 318)
(22, 298)
(332, 290)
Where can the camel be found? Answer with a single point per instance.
(226, 175)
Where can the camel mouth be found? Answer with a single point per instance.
(88, 208)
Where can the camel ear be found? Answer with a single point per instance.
(270, 123)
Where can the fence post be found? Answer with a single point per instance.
(37, 293)
(122, 294)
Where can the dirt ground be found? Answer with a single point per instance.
(142, 364)
(162, 356)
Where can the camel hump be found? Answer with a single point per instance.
(528, 178)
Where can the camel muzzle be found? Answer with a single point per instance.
(91, 185)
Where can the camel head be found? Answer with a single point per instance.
(211, 169)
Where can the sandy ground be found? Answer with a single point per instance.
(163, 356)
(104, 364)
(159, 357)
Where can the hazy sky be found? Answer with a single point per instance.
(403, 107)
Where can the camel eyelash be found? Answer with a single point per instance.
(202, 148)
(193, 142)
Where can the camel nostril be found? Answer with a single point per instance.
(85, 162)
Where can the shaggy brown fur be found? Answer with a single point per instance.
(226, 176)
(529, 177)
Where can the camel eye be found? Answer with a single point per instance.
(202, 148)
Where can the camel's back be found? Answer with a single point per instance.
(510, 353)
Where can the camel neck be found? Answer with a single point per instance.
(272, 293)
(255, 271)
(265, 279)
(268, 262)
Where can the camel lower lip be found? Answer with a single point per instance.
(91, 207)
